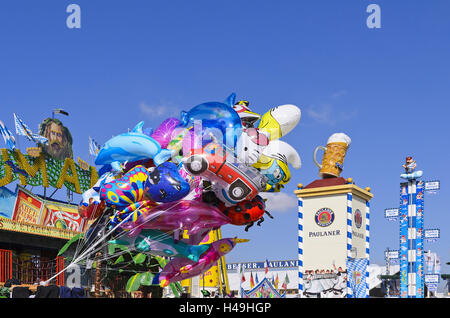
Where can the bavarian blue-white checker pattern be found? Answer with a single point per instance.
(357, 277)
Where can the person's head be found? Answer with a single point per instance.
(59, 139)
(409, 159)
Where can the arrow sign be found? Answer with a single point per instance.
(391, 213)
(432, 185)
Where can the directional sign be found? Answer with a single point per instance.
(432, 185)
(432, 234)
(391, 213)
(431, 278)
(391, 254)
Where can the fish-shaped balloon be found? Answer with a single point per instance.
(182, 268)
(131, 146)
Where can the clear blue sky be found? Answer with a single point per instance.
(387, 88)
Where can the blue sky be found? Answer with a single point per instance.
(387, 88)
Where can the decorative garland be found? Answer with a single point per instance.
(45, 171)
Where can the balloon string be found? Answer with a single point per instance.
(89, 250)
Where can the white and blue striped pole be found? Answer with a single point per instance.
(349, 238)
(367, 245)
(411, 256)
(300, 244)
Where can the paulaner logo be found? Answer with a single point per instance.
(324, 217)
(357, 218)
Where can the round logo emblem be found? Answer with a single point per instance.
(324, 217)
(357, 218)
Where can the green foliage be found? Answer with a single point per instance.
(74, 239)
(139, 258)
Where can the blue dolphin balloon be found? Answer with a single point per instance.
(216, 118)
(131, 146)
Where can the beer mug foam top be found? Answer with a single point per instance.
(340, 137)
(334, 154)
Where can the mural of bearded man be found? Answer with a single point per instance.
(59, 139)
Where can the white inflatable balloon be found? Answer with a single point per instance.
(280, 120)
(280, 150)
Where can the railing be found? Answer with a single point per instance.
(30, 271)
(5, 265)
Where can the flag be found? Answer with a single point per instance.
(94, 147)
(266, 266)
(9, 139)
(39, 139)
(60, 111)
(276, 282)
(252, 282)
(286, 282)
(256, 278)
(23, 130)
(437, 265)
(242, 274)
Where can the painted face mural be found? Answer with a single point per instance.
(59, 139)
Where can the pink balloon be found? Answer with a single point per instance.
(193, 216)
(183, 268)
(163, 134)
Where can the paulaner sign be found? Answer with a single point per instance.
(324, 233)
(260, 265)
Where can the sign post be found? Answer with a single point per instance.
(412, 234)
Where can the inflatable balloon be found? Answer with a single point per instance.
(251, 145)
(195, 183)
(162, 191)
(273, 163)
(136, 210)
(163, 184)
(214, 118)
(248, 117)
(183, 215)
(278, 149)
(232, 181)
(130, 147)
(92, 210)
(91, 206)
(161, 244)
(279, 121)
(163, 134)
(167, 185)
(124, 191)
(182, 268)
(246, 212)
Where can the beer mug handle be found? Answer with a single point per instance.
(315, 155)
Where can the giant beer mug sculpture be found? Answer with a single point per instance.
(333, 157)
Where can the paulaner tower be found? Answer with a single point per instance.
(333, 229)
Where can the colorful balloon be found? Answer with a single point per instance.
(184, 215)
(131, 146)
(216, 119)
(160, 243)
(182, 268)
(166, 184)
(163, 134)
(280, 120)
(163, 184)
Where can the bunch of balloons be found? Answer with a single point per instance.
(164, 190)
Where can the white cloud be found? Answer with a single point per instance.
(330, 115)
(279, 202)
(322, 114)
(162, 110)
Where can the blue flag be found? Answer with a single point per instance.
(7, 136)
